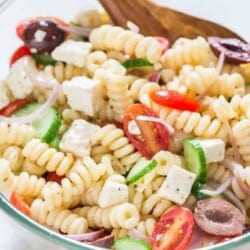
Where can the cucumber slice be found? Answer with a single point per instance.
(195, 159)
(141, 168)
(47, 126)
(127, 243)
(196, 191)
(44, 59)
(55, 142)
(136, 63)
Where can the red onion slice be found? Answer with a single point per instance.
(134, 233)
(81, 31)
(219, 190)
(106, 242)
(92, 236)
(241, 183)
(220, 63)
(171, 130)
(155, 77)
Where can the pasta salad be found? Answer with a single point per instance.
(122, 141)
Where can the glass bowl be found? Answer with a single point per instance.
(17, 230)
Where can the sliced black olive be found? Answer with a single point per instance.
(219, 217)
(43, 36)
(235, 51)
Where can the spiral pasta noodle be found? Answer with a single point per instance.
(80, 178)
(141, 87)
(32, 168)
(62, 72)
(15, 134)
(198, 79)
(14, 155)
(194, 52)
(192, 122)
(109, 37)
(61, 219)
(244, 175)
(124, 215)
(218, 172)
(241, 132)
(24, 184)
(41, 154)
(114, 138)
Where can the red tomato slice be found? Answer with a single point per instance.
(52, 176)
(13, 106)
(173, 231)
(163, 42)
(20, 27)
(19, 53)
(154, 136)
(17, 201)
(175, 100)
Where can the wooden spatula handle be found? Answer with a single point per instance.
(155, 20)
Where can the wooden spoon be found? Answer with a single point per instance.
(155, 20)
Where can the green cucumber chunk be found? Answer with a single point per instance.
(44, 59)
(47, 126)
(141, 168)
(196, 191)
(127, 243)
(55, 142)
(194, 158)
(136, 63)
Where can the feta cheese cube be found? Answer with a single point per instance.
(214, 149)
(84, 94)
(17, 80)
(177, 185)
(114, 192)
(72, 52)
(77, 139)
(4, 96)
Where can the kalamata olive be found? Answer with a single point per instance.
(43, 36)
(219, 217)
(235, 51)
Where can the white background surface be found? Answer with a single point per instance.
(231, 13)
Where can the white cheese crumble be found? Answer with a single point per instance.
(114, 192)
(177, 186)
(84, 94)
(77, 139)
(72, 52)
(133, 128)
(17, 80)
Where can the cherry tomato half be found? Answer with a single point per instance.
(174, 99)
(52, 176)
(13, 106)
(173, 230)
(19, 53)
(20, 27)
(164, 43)
(17, 201)
(154, 136)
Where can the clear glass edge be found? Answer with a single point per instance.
(40, 230)
(57, 238)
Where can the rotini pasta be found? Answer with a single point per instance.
(124, 215)
(62, 72)
(14, 155)
(61, 219)
(15, 134)
(194, 52)
(192, 122)
(80, 178)
(114, 139)
(24, 184)
(108, 37)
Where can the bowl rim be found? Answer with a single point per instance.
(63, 241)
